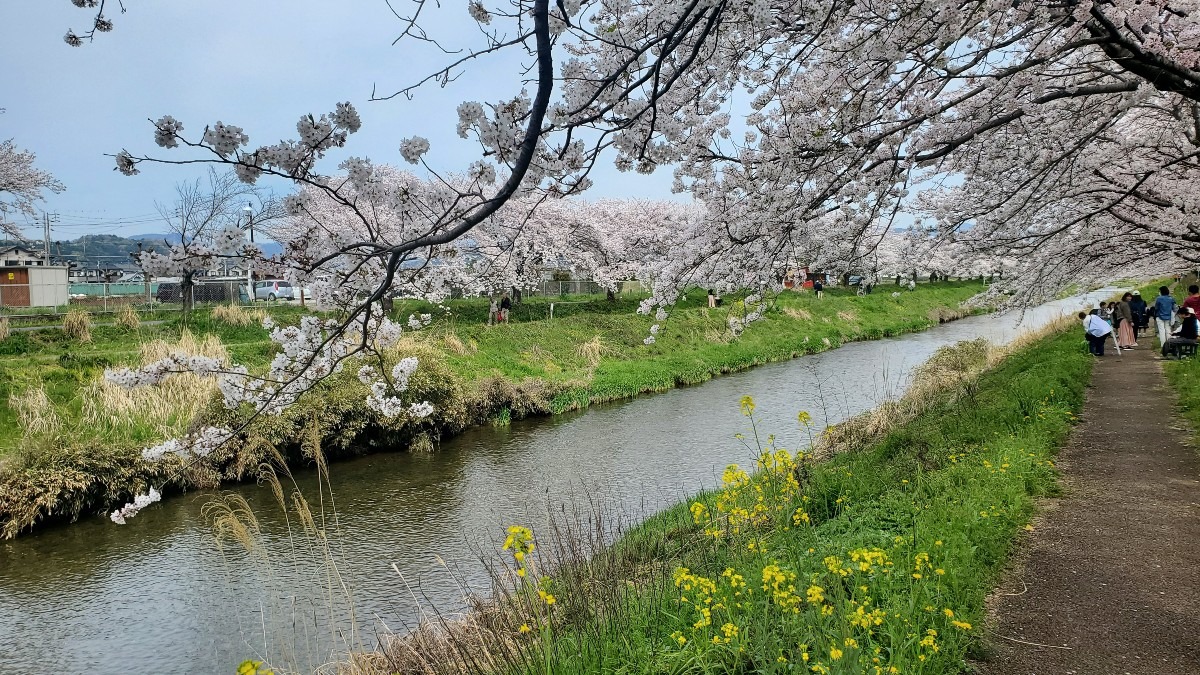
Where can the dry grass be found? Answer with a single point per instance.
(35, 412)
(944, 314)
(127, 317)
(167, 409)
(454, 345)
(77, 325)
(5, 329)
(952, 371)
(848, 317)
(236, 315)
(797, 313)
(593, 351)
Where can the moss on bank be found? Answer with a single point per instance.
(472, 373)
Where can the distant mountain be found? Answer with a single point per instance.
(110, 250)
(156, 237)
(269, 248)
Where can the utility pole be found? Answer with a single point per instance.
(248, 209)
(46, 235)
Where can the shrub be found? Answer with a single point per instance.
(127, 317)
(236, 315)
(77, 325)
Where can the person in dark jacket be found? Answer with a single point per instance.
(505, 307)
(1141, 320)
(1189, 328)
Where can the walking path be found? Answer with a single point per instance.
(1109, 580)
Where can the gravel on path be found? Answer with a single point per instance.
(1108, 581)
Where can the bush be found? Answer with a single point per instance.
(127, 317)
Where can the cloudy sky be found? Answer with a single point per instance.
(259, 64)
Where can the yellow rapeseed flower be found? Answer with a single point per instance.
(835, 654)
(747, 405)
(524, 629)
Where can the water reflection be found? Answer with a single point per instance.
(159, 595)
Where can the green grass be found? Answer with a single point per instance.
(471, 372)
(855, 565)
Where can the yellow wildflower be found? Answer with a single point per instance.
(747, 405)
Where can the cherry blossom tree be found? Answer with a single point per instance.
(206, 220)
(1059, 134)
(21, 186)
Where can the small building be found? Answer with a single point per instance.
(15, 255)
(34, 285)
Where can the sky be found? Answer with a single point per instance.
(258, 64)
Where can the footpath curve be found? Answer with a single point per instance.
(1108, 581)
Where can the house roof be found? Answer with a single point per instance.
(15, 247)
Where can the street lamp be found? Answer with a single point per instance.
(249, 211)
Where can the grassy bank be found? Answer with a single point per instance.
(73, 443)
(877, 560)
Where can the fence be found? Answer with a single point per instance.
(37, 299)
(554, 288)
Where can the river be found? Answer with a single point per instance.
(159, 595)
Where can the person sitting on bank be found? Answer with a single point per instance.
(1096, 330)
(1189, 327)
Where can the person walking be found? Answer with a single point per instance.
(1123, 315)
(1138, 306)
(1096, 330)
(1162, 310)
(817, 287)
(505, 307)
(1189, 328)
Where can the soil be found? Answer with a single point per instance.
(1108, 581)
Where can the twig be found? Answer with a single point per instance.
(1024, 590)
(1032, 644)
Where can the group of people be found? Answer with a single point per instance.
(498, 312)
(1123, 321)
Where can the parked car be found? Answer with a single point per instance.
(273, 289)
(855, 280)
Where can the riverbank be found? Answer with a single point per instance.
(877, 560)
(75, 456)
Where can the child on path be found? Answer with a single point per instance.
(1162, 310)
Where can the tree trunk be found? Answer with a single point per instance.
(611, 297)
(386, 303)
(187, 290)
(516, 295)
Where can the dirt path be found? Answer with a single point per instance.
(1111, 570)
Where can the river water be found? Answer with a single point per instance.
(160, 595)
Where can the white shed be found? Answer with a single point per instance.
(33, 286)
